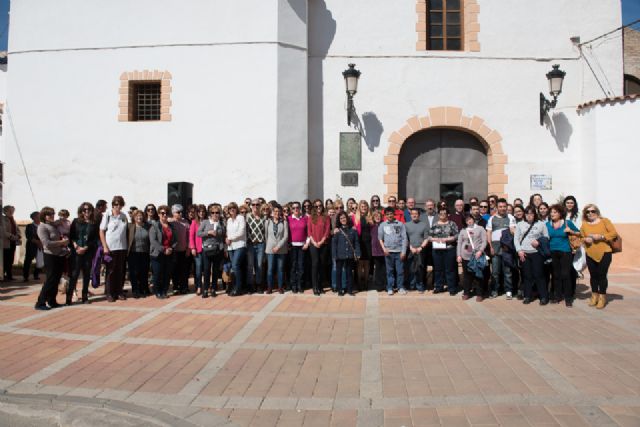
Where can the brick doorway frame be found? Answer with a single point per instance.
(451, 118)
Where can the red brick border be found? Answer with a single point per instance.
(449, 117)
(164, 77)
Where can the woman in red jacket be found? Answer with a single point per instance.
(319, 228)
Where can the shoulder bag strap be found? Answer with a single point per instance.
(349, 242)
(527, 232)
(473, 247)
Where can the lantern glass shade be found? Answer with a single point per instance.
(556, 78)
(352, 84)
(351, 76)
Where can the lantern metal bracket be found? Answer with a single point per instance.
(546, 106)
(351, 109)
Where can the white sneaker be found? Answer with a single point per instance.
(402, 292)
(509, 296)
(389, 292)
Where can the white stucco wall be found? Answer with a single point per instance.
(613, 131)
(255, 113)
(500, 84)
(225, 136)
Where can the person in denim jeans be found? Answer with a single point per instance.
(495, 226)
(255, 246)
(236, 246)
(393, 238)
(418, 234)
(276, 232)
(443, 235)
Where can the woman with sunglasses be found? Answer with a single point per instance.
(138, 258)
(598, 234)
(236, 247)
(211, 231)
(265, 210)
(483, 206)
(162, 240)
(84, 238)
(151, 214)
(195, 244)
(352, 206)
(113, 235)
(307, 207)
(55, 249)
(374, 202)
(319, 232)
(276, 231)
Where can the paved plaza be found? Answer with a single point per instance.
(302, 360)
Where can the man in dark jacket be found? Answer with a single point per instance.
(31, 250)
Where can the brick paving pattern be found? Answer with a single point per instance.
(368, 360)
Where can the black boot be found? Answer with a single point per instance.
(69, 297)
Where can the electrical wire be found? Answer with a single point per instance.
(610, 32)
(24, 167)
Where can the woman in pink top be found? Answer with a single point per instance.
(195, 244)
(299, 240)
(319, 227)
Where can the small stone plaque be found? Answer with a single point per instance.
(350, 151)
(349, 179)
(540, 182)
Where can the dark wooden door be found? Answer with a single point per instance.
(442, 156)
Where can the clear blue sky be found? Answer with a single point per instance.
(630, 12)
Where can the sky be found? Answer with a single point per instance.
(630, 12)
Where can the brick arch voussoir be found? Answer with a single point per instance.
(451, 118)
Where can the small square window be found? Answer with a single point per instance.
(144, 100)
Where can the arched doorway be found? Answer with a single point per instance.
(451, 118)
(441, 163)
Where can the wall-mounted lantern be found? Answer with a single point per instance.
(556, 78)
(351, 76)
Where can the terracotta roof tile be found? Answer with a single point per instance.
(609, 101)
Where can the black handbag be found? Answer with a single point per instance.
(211, 249)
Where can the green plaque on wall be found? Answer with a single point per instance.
(350, 151)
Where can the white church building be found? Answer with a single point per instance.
(247, 98)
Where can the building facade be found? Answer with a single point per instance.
(250, 99)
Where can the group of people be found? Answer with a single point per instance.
(482, 247)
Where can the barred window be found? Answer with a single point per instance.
(145, 100)
(444, 31)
